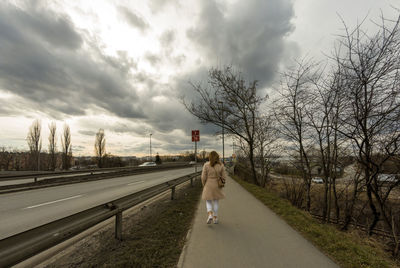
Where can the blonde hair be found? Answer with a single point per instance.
(214, 158)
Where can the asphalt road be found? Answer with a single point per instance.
(21, 181)
(22, 211)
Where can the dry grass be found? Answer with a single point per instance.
(152, 238)
(347, 249)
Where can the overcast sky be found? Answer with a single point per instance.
(124, 65)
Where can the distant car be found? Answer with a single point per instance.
(192, 162)
(148, 164)
(387, 178)
(317, 180)
(74, 168)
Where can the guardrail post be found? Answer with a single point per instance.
(35, 179)
(172, 192)
(118, 226)
(191, 181)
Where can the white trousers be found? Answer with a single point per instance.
(210, 205)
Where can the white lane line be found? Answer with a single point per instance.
(52, 202)
(137, 182)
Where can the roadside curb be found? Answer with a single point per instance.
(187, 239)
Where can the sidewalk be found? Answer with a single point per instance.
(249, 235)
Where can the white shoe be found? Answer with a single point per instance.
(209, 220)
(215, 220)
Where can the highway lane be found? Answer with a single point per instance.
(40, 178)
(22, 211)
(21, 181)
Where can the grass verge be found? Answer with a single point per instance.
(345, 249)
(154, 237)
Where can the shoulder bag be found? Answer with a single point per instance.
(221, 180)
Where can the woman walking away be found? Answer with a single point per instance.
(212, 171)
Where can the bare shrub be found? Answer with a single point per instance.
(295, 191)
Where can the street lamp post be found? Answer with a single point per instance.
(150, 146)
(223, 143)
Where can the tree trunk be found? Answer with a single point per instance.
(263, 176)
(349, 210)
(308, 206)
(335, 199)
(329, 200)
(395, 239)
(253, 168)
(325, 203)
(375, 212)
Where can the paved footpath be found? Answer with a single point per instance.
(248, 235)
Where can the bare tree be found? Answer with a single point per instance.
(17, 159)
(291, 115)
(3, 153)
(326, 106)
(352, 191)
(52, 145)
(6, 157)
(100, 147)
(265, 146)
(35, 143)
(203, 155)
(237, 115)
(294, 191)
(371, 67)
(66, 146)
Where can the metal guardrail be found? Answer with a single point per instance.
(36, 175)
(64, 180)
(19, 247)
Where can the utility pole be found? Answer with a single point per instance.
(195, 156)
(223, 143)
(195, 139)
(150, 146)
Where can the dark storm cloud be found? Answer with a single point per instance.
(186, 144)
(133, 19)
(51, 28)
(168, 54)
(171, 115)
(250, 35)
(59, 75)
(162, 102)
(135, 128)
(59, 70)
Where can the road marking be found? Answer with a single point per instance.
(52, 202)
(137, 182)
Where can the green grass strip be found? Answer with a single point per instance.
(345, 249)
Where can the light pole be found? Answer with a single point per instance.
(222, 119)
(150, 146)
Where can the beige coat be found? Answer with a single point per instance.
(209, 179)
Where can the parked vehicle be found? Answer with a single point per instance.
(388, 178)
(192, 162)
(148, 164)
(317, 180)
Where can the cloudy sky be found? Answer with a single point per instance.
(123, 66)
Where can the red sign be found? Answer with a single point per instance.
(195, 135)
